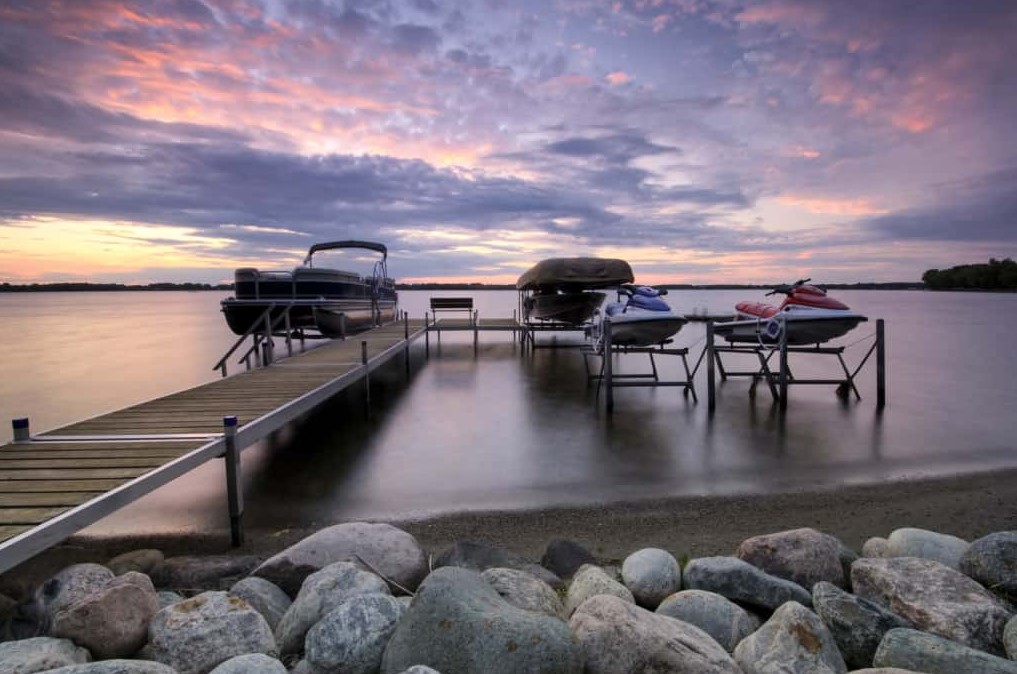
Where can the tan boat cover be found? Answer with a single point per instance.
(576, 273)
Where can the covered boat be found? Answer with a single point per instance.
(332, 301)
(564, 289)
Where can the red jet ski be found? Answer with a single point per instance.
(807, 314)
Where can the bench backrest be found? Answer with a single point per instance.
(451, 303)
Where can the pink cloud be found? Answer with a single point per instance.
(618, 78)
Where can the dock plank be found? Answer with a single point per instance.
(60, 485)
(74, 473)
(29, 516)
(51, 499)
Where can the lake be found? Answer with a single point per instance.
(508, 428)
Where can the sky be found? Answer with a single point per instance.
(705, 141)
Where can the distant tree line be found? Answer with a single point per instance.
(106, 287)
(996, 275)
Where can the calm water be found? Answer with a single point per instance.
(508, 429)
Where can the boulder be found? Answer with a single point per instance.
(420, 669)
(942, 548)
(265, 597)
(804, 556)
(876, 547)
(115, 667)
(618, 637)
(883, 670)
(39, 654)
(112, 621)
(382, 548)
(857, 624)
(651, 574)
(458, 624)
(1010, 638)
(931, 654)
(66, 587)
(480, 557)
(142, 561)
(252, 663)
(351, 639)
(992, 561)
(167, 598)
(525, 591)
(322, 592)
(793, 641)
(741, 582)
(210, 572)
(727, 622)
(935, 598)
(564, 557)
(590, 581)
(200, 633)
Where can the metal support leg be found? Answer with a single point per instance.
(367, 373)
(266, 350)
(880, 363)
(22, 433)
(711, 374)
(783, 370)
(608, 367)
(427, 337)
(406, 339)
(234, 490)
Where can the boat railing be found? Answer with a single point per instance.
(262, 346)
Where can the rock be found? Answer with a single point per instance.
(857, 624)
(876, 547)
(458, 624)
(392, 552)
(727, 622)
(39, 654)
(942, 548)
(804, 556)
(116, 667)
(992, 561)
(930, 654)
(202, 632)
(563, 557)
(112, 621)
(168, 598)
(420, 669)
(1010, 638)
(142, 561)
(741, 582)
(793, 641)
(252, 663)
(883, 670)
(212, 572)
(8, 615)
(66, 587)
(322, 592)
(480, 557)
(525, 591)
(266, 598)
(618, 637)
(651, 574)
(351, 639)
(935, 598)
(590, 581)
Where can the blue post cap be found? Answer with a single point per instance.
(20, 424)
(230, 421)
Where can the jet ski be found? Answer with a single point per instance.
(639, 318)
(807, 316)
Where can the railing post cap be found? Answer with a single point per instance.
(19, 423)
(230, 421)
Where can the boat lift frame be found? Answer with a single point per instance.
(778, 381)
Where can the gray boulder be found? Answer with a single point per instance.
(804, 556)
(525, 591)
(392, 552)
(930, 654)
(651, 574)
(876, 547)
(741, 582)
(564, 557)
(252, 663)
(992, 561)
(203, 572)
(727, 622)
(115, 667)
(352, 638)
(883, 670)
(1010, 638)
(112, 621)
(458, 624)
(142, 561)
(322, 592)
(168, 598)
(420, 669)
(857, 624)
(39, 654)
(590, 581)
(942, 548)
(935, 598)
(480, 557)
(197, 634)
(618, 637)
(66, 587)
(265, 597)
(793, 641)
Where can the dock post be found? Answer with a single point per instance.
(22, 433)
(427, 338)
(783, 368)
(234, 490)
(711, 370)
(880, 363)
(289, 336)
(476, 333)
(608, 367)
(406, 339)
(367, 373)
(266, 349)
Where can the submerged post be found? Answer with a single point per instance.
(880, 363)
(234, 490)
(22, 433)
(608, 367)
(406, 339)
(783, 368)
(427, 337)
(266, 350)
(367, 373)
(711, 370)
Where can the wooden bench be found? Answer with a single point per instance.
(452, 304)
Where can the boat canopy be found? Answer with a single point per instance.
(576, 273)
(349, 243)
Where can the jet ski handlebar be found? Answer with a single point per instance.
(788, 289)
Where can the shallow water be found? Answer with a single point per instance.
(508, 428)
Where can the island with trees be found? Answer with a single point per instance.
(996, 275)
